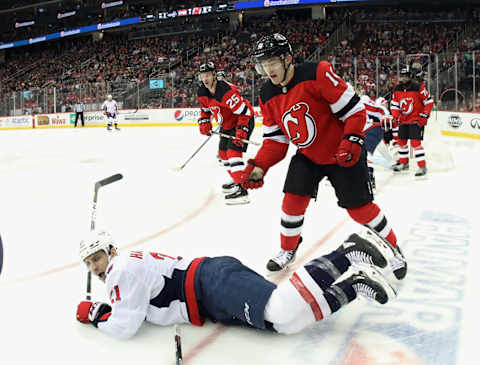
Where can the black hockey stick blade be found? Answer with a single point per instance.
(108, 180)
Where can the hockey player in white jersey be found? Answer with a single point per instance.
(166, 290)
(110, 109)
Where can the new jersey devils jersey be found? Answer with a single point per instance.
(313, 111)
(145, 286)
(227, 107)
(408, 103)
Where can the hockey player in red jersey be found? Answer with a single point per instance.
(221, 101)
(411, 106)
(311, 106)
(160, 289)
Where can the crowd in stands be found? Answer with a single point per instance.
(378, 39)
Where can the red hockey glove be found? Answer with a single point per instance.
(89, 312)
(205, 127)
(349, 150)
(252, 176)
(423, 120)
(242, 133)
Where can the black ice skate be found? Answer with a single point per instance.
(229, 188)
(109, 127)
(422, 172)
(239, 196)
(283, 259)
(372, 285)
(116, 128)
(401, 167)
(397, 262)
(365, 249)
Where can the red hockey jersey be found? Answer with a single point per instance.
(313, 111)
(227, 107)
(407, 104)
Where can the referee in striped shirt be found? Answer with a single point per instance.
(79, 108)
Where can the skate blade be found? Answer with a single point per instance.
(238, 201)
(423, 177)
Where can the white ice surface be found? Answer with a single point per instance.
(46, 188)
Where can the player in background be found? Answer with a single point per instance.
(411, 105)
(312, 107)
(165, 290)
(377, 128)
(110, 109)
(222, 101)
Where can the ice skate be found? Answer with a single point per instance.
(421, 173)
(401, 167)
(229, 188)
(397, 261)
(369, 283)
(239, 196)
(283, 259)
(116, 128)
(109, 127)
(365, 249)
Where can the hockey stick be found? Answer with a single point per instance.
(233, 137)
(98, 185)
(198, 149)
(178, 345)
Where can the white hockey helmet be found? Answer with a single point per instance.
(96, 241)
(109, 97)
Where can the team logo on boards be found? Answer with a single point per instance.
(475, 123)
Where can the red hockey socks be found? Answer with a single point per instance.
(293, 210)
(370, 215)
(419, 152)
(236, 164)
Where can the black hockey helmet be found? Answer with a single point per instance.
(207, 67)
(270, 46)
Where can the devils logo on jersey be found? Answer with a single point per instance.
(300, 125)
(217, 116)
(406, 104)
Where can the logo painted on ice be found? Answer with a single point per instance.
(178, 115)
(300, 125)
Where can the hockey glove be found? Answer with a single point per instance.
(349, 150)
(205, 127)
(388, 136)
(242, 133)
(252, 176)
(423, 120)
(89, 312)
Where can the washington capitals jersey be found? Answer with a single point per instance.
(145, 286)
(408, 103)
(313, 111)
(227, 107)
(376, 115)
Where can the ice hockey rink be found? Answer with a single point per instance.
(46, 190)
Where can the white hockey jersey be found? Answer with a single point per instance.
(147, 286)
(376, 113)
(110, 106)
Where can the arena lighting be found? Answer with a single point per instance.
(109, 5)
(24, 24)
(66, 15)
